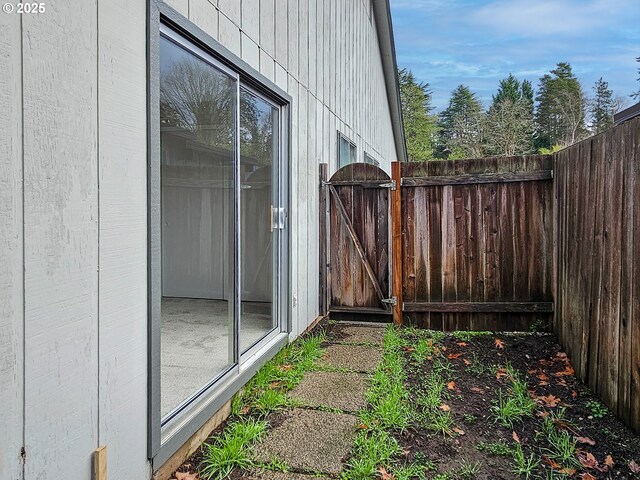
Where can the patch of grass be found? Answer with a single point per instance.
(270, 400)
(469, 418)
(477, 367)
(598, 410)
(500, 448)
(524, 465)
(515, 403)
(371, 449)
(230, 450)
(275, 465)
(265, 392)
(562, 445)
(429, 401)
(387, 395)
(468, 469)
(464, 336)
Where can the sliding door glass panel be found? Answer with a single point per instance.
(198, 111)
(259, 151)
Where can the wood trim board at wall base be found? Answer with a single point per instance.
(483, 307)
(166, 470)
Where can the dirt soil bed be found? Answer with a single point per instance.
(565, 432)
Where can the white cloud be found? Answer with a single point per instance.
(533, 18)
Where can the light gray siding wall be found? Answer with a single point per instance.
(60, 239)
(122, 282)
(73, 218)
(11, 251)
(325, 54)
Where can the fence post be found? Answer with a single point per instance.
(324, 232)
(396, 242)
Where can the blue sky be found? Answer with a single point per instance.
(479, 42)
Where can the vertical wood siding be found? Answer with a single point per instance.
(597, 190)
(11, 252)
(328, 53)
(122, 182)
(60, 239)
(476, 243)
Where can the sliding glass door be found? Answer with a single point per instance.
(221, 220)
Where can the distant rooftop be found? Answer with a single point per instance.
(626, 114)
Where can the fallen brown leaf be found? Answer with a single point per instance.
(552, 463)
(286, 368)
(587, 459)
(467, 362)
(567, 471)
(454, 355)
(501, 373)
(567, 371)
(634, 467)
(477, 390)
(608, 461)
(459, 431)
(462, 344)
(362, 426)
(515, 437)
(574, 394)
(451, 385)
(408, 349)
(186, 476)
(543, 377)
(384, 475)
(549, 400)
(445, 408)
(585, 440)
(587, 476)
(245, 410)
(499, 344)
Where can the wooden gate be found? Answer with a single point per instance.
(357, 249)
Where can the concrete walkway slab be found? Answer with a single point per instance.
(345, 391)
(310, 440)
(358, 334)
(355, 357)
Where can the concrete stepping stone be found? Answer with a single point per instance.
(358, 334)
(310, 440)
(345, 391)
(354, 357)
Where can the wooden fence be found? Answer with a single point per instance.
(597, 193)
(477, 243)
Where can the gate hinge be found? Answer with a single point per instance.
(391, 185)
(393, 301)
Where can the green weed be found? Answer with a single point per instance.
(598, 410)
(230, 450)
(495, 448)
(524, 465)
(371, 449)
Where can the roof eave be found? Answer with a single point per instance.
(384, 29)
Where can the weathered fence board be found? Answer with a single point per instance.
(597, 192)
(357, 197)
(477, 232)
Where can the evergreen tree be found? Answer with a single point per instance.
(636, 95)
(461, 125)
(419, 124)
(561, 108)
(603, 106)
(508, 88)
(509, 121)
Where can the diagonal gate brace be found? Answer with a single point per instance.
(358, 245)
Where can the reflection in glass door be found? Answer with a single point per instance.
(221, 222)
(259, 201)
(198, 132)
